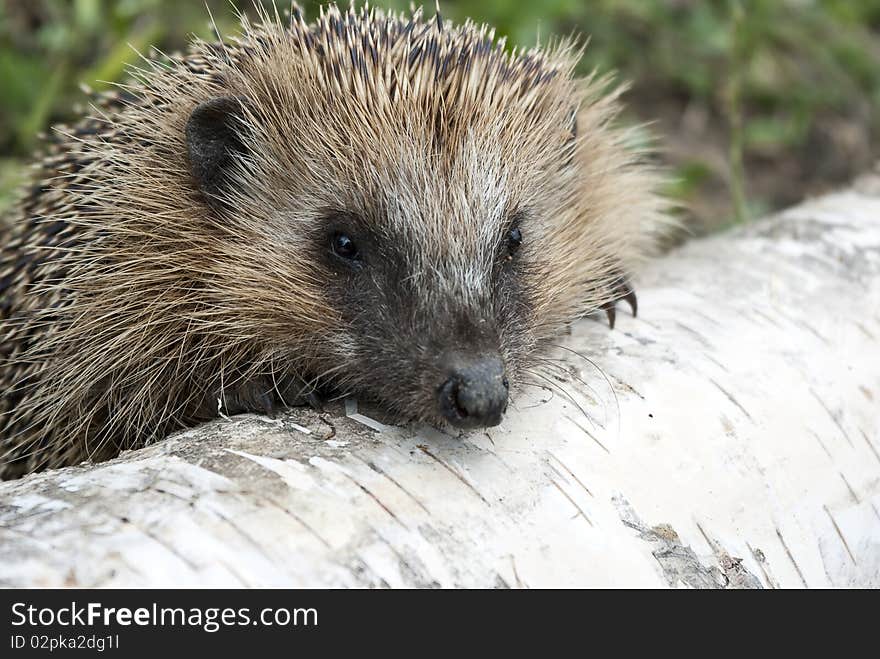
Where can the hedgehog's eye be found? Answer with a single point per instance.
(344, 247)
(514, 240)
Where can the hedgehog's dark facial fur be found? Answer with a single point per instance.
(419, 340)
(387, 205)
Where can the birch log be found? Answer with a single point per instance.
(727, 437)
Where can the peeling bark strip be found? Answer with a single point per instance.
(737, 416)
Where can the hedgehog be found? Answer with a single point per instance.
(373, 204)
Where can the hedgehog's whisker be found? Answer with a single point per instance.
(601, 372)
(525, 383)
(560, 366)
(555, 386)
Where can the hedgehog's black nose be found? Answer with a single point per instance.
(475, 395)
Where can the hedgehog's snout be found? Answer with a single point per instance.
(475, 393)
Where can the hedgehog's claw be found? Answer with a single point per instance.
(623, 291)
(612, 314)
(633, 302)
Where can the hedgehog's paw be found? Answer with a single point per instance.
(256, 396)
(622, 291)
(268, 396)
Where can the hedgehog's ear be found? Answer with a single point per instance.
(213, 136)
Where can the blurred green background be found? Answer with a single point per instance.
(755, 103)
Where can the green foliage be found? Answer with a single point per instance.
(787, 91)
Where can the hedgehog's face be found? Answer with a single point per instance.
(430, 256)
